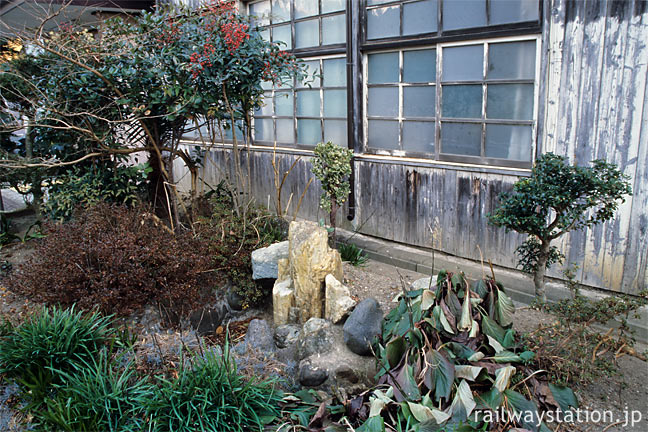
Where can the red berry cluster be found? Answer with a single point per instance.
(234, 34)
(169, 34)
(278, 59)
(220, 7)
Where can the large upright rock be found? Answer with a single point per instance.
(311, 259)
(338, 300)
(283, 299)
(265, 260)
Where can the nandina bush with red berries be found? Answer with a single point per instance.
(119, 260)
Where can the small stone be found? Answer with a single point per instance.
(286, 335)
(265, 260)
(259, 336)
(424, 283)
(363, 326)
(316, 337)
(283, 299)
(345, 373)
(338, 302)
(310, 375)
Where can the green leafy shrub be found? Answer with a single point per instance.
(119, 260)
(556, 199)
(52, 342)
(97, 395)
(353, 254)
(209, 394)
(120, 185)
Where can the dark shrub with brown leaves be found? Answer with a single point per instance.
(119, 260)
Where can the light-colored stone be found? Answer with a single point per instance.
(283, 269)
(424, 283)
(311, 259)
(265, 260)
(338, 301)
(283, 299)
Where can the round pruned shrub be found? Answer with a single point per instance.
(117, 259)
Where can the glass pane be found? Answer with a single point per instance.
(420, 17)
(333, 6)
(463, 63)
(461, 139)
(282, 34)
(266, 85)
(306, 8)
(313, 74)
(336, 132)
(263, 130)
(418, 136)
(462, 101)
(307, 33)
(509, 11)
(228, 130)
(512, 60)
(383, 101)
(280, 11)
(309, 132)
(283, 104)
(508, 142)
(419, 66)
(383, 134)
(261, 12)
(266, 108)
(377, 2)
(285, 131)
(419, 101)
(333, 30)
(265, 34)
(460, 14)
(334, 72)
(335, 103)
(510, 101)
(383, 22)
(308, 103)
(383, 68)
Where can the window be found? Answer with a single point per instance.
(302, 24)
(310, 113)
(475, 99)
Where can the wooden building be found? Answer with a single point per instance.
(446, 103)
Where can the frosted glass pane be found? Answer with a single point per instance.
(377, 2)
(265, 34)
(285, 131)
(512, 60)
(261, 12)
(460, 14)
(383, 68)
(508, 142)
(336, 132)
(418, 136)
(280, 11)
(309, 132)
(333, 30)
(463, 63)
(333, 5)
(334, 72)
(284, 104)
(282, 34)
(461, 139)
(306, 8)
(420, 17)
(419, 66)
(462, 101)
(266, 85)
(263, 130)
(228, 130)
(266, 108)
(335, 103)
(307, 33)
(313, 74)
(419, 101)
(509, 11)
(308, 103)
(383, 134)
(383, 101)
(510, 101)
(383, 22)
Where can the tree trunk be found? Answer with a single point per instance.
(538, 276)
(332, 215)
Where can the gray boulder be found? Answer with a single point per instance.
(264, 260)
(260, 336)
(363, 325)
(316, 337)
(286, 335)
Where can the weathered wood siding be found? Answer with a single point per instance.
(593, 104)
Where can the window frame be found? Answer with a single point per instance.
(437, 155)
